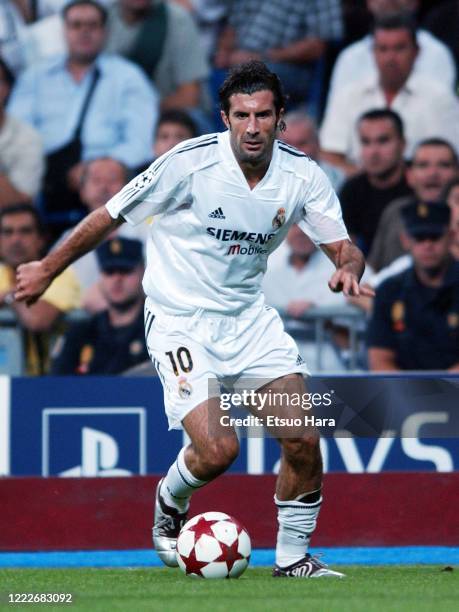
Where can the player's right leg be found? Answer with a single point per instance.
(212, 450)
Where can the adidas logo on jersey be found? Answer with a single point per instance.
(217, 214)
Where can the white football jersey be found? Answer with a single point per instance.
(211, 235)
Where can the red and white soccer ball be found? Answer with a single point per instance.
(213, 545)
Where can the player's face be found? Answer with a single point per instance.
(20, 241)
(432, 168)
(122, 288)
(430, 254)
(168, 135)
(302, 136)
(252, 122)
(453, 203)
(84, 33)
(381, 147)
(395, 53)
(104, 178)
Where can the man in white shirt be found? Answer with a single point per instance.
(224, 203)
(434, 60)
(426, 107)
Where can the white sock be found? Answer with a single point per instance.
(297, 522)
(179, 484)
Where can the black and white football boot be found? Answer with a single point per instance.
(307, 567)
(167, 525)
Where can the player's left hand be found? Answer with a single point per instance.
(348, 283)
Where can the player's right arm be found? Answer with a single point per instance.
(33, 278)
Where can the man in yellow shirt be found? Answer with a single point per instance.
(22, 240)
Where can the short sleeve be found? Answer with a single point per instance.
(162, 187)
(322, 219)
(380, 333)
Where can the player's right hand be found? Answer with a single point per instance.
(31, 282)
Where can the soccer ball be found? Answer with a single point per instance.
(213, 545)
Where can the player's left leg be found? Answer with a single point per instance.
(299, 485)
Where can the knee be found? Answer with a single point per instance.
(220, 454)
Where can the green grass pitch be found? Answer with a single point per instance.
(365, 589)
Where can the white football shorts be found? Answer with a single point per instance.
(190, 351)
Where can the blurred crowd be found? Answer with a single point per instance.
(92, 91)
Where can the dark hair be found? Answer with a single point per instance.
(398, 21)
(247, 79)
(384, 113)
(7, 73)
(449, 187)
(100, 7)
(436, 142)
(175, 115)
(23, 208)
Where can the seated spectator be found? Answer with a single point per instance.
(415, 321)
(434, 164)
(427, 108)
(113, 340)
(101, 180)
(443, 22)
(434, 60)
(365, 196)
(21, 153)
(296, 280)
(451, 197)
(85, 104)
(174, 126)
(22, 240)
(288, 35)
(163, 39)
(301, 132)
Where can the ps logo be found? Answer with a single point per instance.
(80, 442)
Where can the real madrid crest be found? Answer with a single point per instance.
(184, 388)
(279, 219)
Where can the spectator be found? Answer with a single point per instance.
(101, 180)
(21, 154)
(427, 108)
(173, 127)
(209, 15)
(415, 322)
(120, 115)
(176, 62)
(365, 196)
(452, 199)
(434, 60)
(113, 340)
(290, 36)
(296, 280)
(302, 133)
(443, 22)
(434, 164)
(22, 240)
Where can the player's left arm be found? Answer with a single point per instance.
(350, 266)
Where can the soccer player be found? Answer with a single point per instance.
(222, 203)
